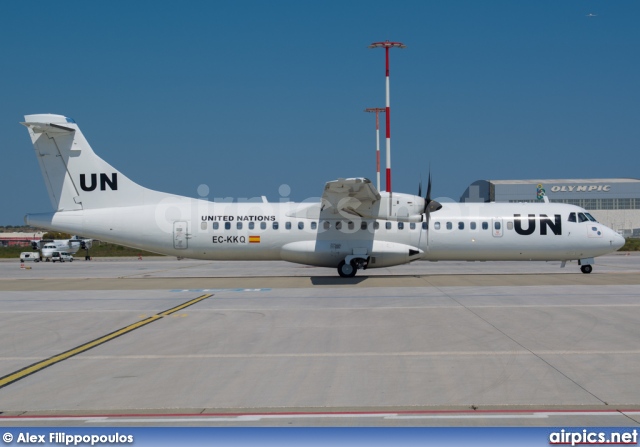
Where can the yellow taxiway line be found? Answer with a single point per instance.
(31, 369)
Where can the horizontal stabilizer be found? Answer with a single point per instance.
(48, 128)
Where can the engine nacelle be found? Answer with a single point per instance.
(400, 207)
(330, 253)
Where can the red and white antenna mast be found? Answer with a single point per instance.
(377, 111)
(387, 45)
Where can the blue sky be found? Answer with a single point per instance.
(245, 96)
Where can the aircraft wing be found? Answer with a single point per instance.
(356, 196)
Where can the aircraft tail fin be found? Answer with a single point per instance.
(75, 176)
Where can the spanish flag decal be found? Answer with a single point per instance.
(254, 239)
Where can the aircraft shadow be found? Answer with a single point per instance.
(336, 281)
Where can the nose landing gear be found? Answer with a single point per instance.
(585, 265)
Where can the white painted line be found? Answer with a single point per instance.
(472, 416)
(259, 417)
(340, 354)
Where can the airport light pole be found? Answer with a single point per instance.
(377, 111)
(387, 45)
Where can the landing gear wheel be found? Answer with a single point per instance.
(586, 269)
(346, 270)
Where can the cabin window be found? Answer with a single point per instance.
(436, 225)
(300, 225)
(326, 225)
(314, 225)
(350, 225)
(424, 225)
(216, 225)
(203, 225)
(239, 225)
(472, 225)
(275, 225)
(339, 225)
(400, 225)
(449, 226)
(363, 226)
(287, 225)
(572, 217)
(582, 217)
(460, 225)
(496, 225)
(387, 225)
(485, 225)
(252, 225)
(412, 226)
(263, 225)
(509, 225)
(227, 225)
(376, 225)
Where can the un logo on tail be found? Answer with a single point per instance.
(104, 181)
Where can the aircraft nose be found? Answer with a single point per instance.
(617, 241)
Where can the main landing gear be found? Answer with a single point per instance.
(350, 266)
(586, 269)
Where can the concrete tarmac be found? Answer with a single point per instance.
(168, 342)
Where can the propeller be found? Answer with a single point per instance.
(430, 205)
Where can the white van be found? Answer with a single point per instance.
(30, 256)
(61, 256)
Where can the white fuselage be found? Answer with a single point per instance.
(295, 232)
(354, 226)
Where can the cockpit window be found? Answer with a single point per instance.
(572, 217)
(591, 218)
(582, 217)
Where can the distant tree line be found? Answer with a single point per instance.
(18, 229)
(56, 235)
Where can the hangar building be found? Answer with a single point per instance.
(613, 202)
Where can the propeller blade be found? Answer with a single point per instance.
(427, 199)
(420, 188)
(430, 205)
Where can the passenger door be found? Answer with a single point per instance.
(180, 235)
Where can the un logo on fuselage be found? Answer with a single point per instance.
(554, 225)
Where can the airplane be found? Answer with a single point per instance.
(592, 15)
(71, 246)
(353, 227)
